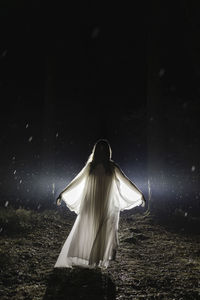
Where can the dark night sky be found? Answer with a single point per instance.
(71, 75)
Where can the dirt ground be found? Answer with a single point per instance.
(155, 260)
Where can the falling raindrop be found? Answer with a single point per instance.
(14, 172)
(6, 204)
(30, 139)
(193, 168)
(27, 125)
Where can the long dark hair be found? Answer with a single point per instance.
(101, 153)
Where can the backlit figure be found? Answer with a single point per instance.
(97, 195)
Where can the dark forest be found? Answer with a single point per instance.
(70, 75)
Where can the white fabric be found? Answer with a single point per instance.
(97, 198)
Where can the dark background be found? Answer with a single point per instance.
(70, 75)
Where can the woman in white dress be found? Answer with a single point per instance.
(97, 195)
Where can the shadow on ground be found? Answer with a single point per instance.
(79, 283)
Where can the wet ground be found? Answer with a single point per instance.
(155, 259)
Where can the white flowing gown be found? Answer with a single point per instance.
(97, 198)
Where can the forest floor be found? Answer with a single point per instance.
(155, 260)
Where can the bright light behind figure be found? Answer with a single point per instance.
(32, 186)
(51, 184)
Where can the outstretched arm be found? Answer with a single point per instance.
(126, 180)
(72, 184)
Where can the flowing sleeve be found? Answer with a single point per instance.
(73, 194)
(129, 194)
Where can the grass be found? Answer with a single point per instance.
(153, 261)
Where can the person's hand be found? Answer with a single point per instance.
(59, 200)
